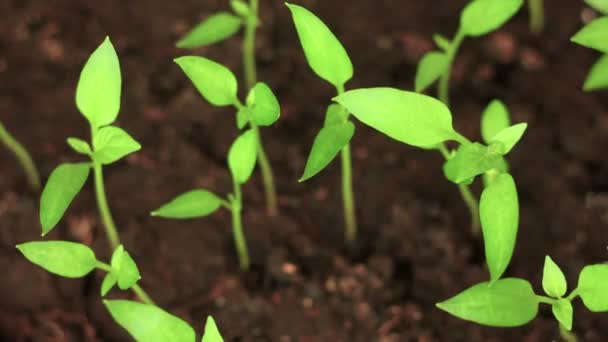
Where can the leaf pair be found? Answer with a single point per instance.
(595, 36)
(149, 323)
(123, 272)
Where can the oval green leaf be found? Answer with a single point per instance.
(598, 76)
(214, 29)
(214, 82)
(108, 283)
(509, 302)
(499, 215)
(563, 312)
(212, 333)
(592, 287)
(79, 146)
(469, 161)
(113, 143)
(192, 204)
(324, 52)
(149, 323)
(242, 156)
(494, 119)
(594, 35)
(330, 140)
(442, 42)
(64, 183)
(430, 68)
(480, 17)
(240, 7)
(64, 258)
(263, 105)
(409, 117)
(98, 91)
(554, 281)
(508, 137)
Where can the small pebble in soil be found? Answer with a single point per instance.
(531, 59)
(502, 47)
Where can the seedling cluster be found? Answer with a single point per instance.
(406, 116)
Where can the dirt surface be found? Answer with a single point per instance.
(415, 247)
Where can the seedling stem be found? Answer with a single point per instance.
(444, 81)
(237, 228)
(104, 209)
(537, 15)
(23, 157)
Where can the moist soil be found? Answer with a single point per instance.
(305, 284)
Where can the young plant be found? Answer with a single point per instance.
(595, 36)
(425, 122)
(478, 18)
(329, 60)
(108, 143)
(24, 158)
(536, 9)
(200, 203)
(222, 26)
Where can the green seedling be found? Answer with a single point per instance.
(478, 18)
(200, 203)
(149, 323)
(222, 26)
(595, 36)
(108, 143)
(24, 158)
(425, 122)
(536, 9)
(329, 60)
(75, 260)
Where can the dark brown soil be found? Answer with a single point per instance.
(415, 248)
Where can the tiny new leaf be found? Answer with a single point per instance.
(594, 35)
(563, 312)
(592, 284)
(112, 143)
(328, 142)
(409, 117)
(324, 52)
(334, 114)
(263, 105)
(63, 185)
(484, 16)
(80, 146)
(108, 283)
(471, 160)
(214, 29)
(508, 302)
(240, 7)
(125, 269)
(554, 281)
(494, 119)
(598, 76)
(242, 156)
(430, 68)
(442, 42)
(508, 137)
(212, 333)
(192, 204)
(67, 259)
(98, 90)
(243, 115)
(149, 323)
(499, 215)
(216, 83)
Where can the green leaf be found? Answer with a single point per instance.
(494, 119)
(335, 114)
(215, 82)
(592, 285)
(263, 105)
(594, 35)
(598, 76)
(98, 91)
(554, 281)
(480, 17)
(112, 143)
(124, 268)
(63, 185)
(409, 117)
(80, 146)
(330, 140)
(442, 42)
(508, 137)
(212, 333)
(470, 160)
(563, 312)
(242, 117)
(499, 214)
(599, 5)
(240, 7)
(192, 204)
(108, 283)
(214, 29)
(509, 302)
(67, 259)
(324, 52)
(242, 156)
(430, 68)
(149, 323)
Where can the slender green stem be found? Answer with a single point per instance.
(237, 228)
(104, 209)
(567, 336)
(249, 67)
(23, 157)
(545, 300)
(139, 292)
(444, 81)
(537, 15)
(572, 294)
